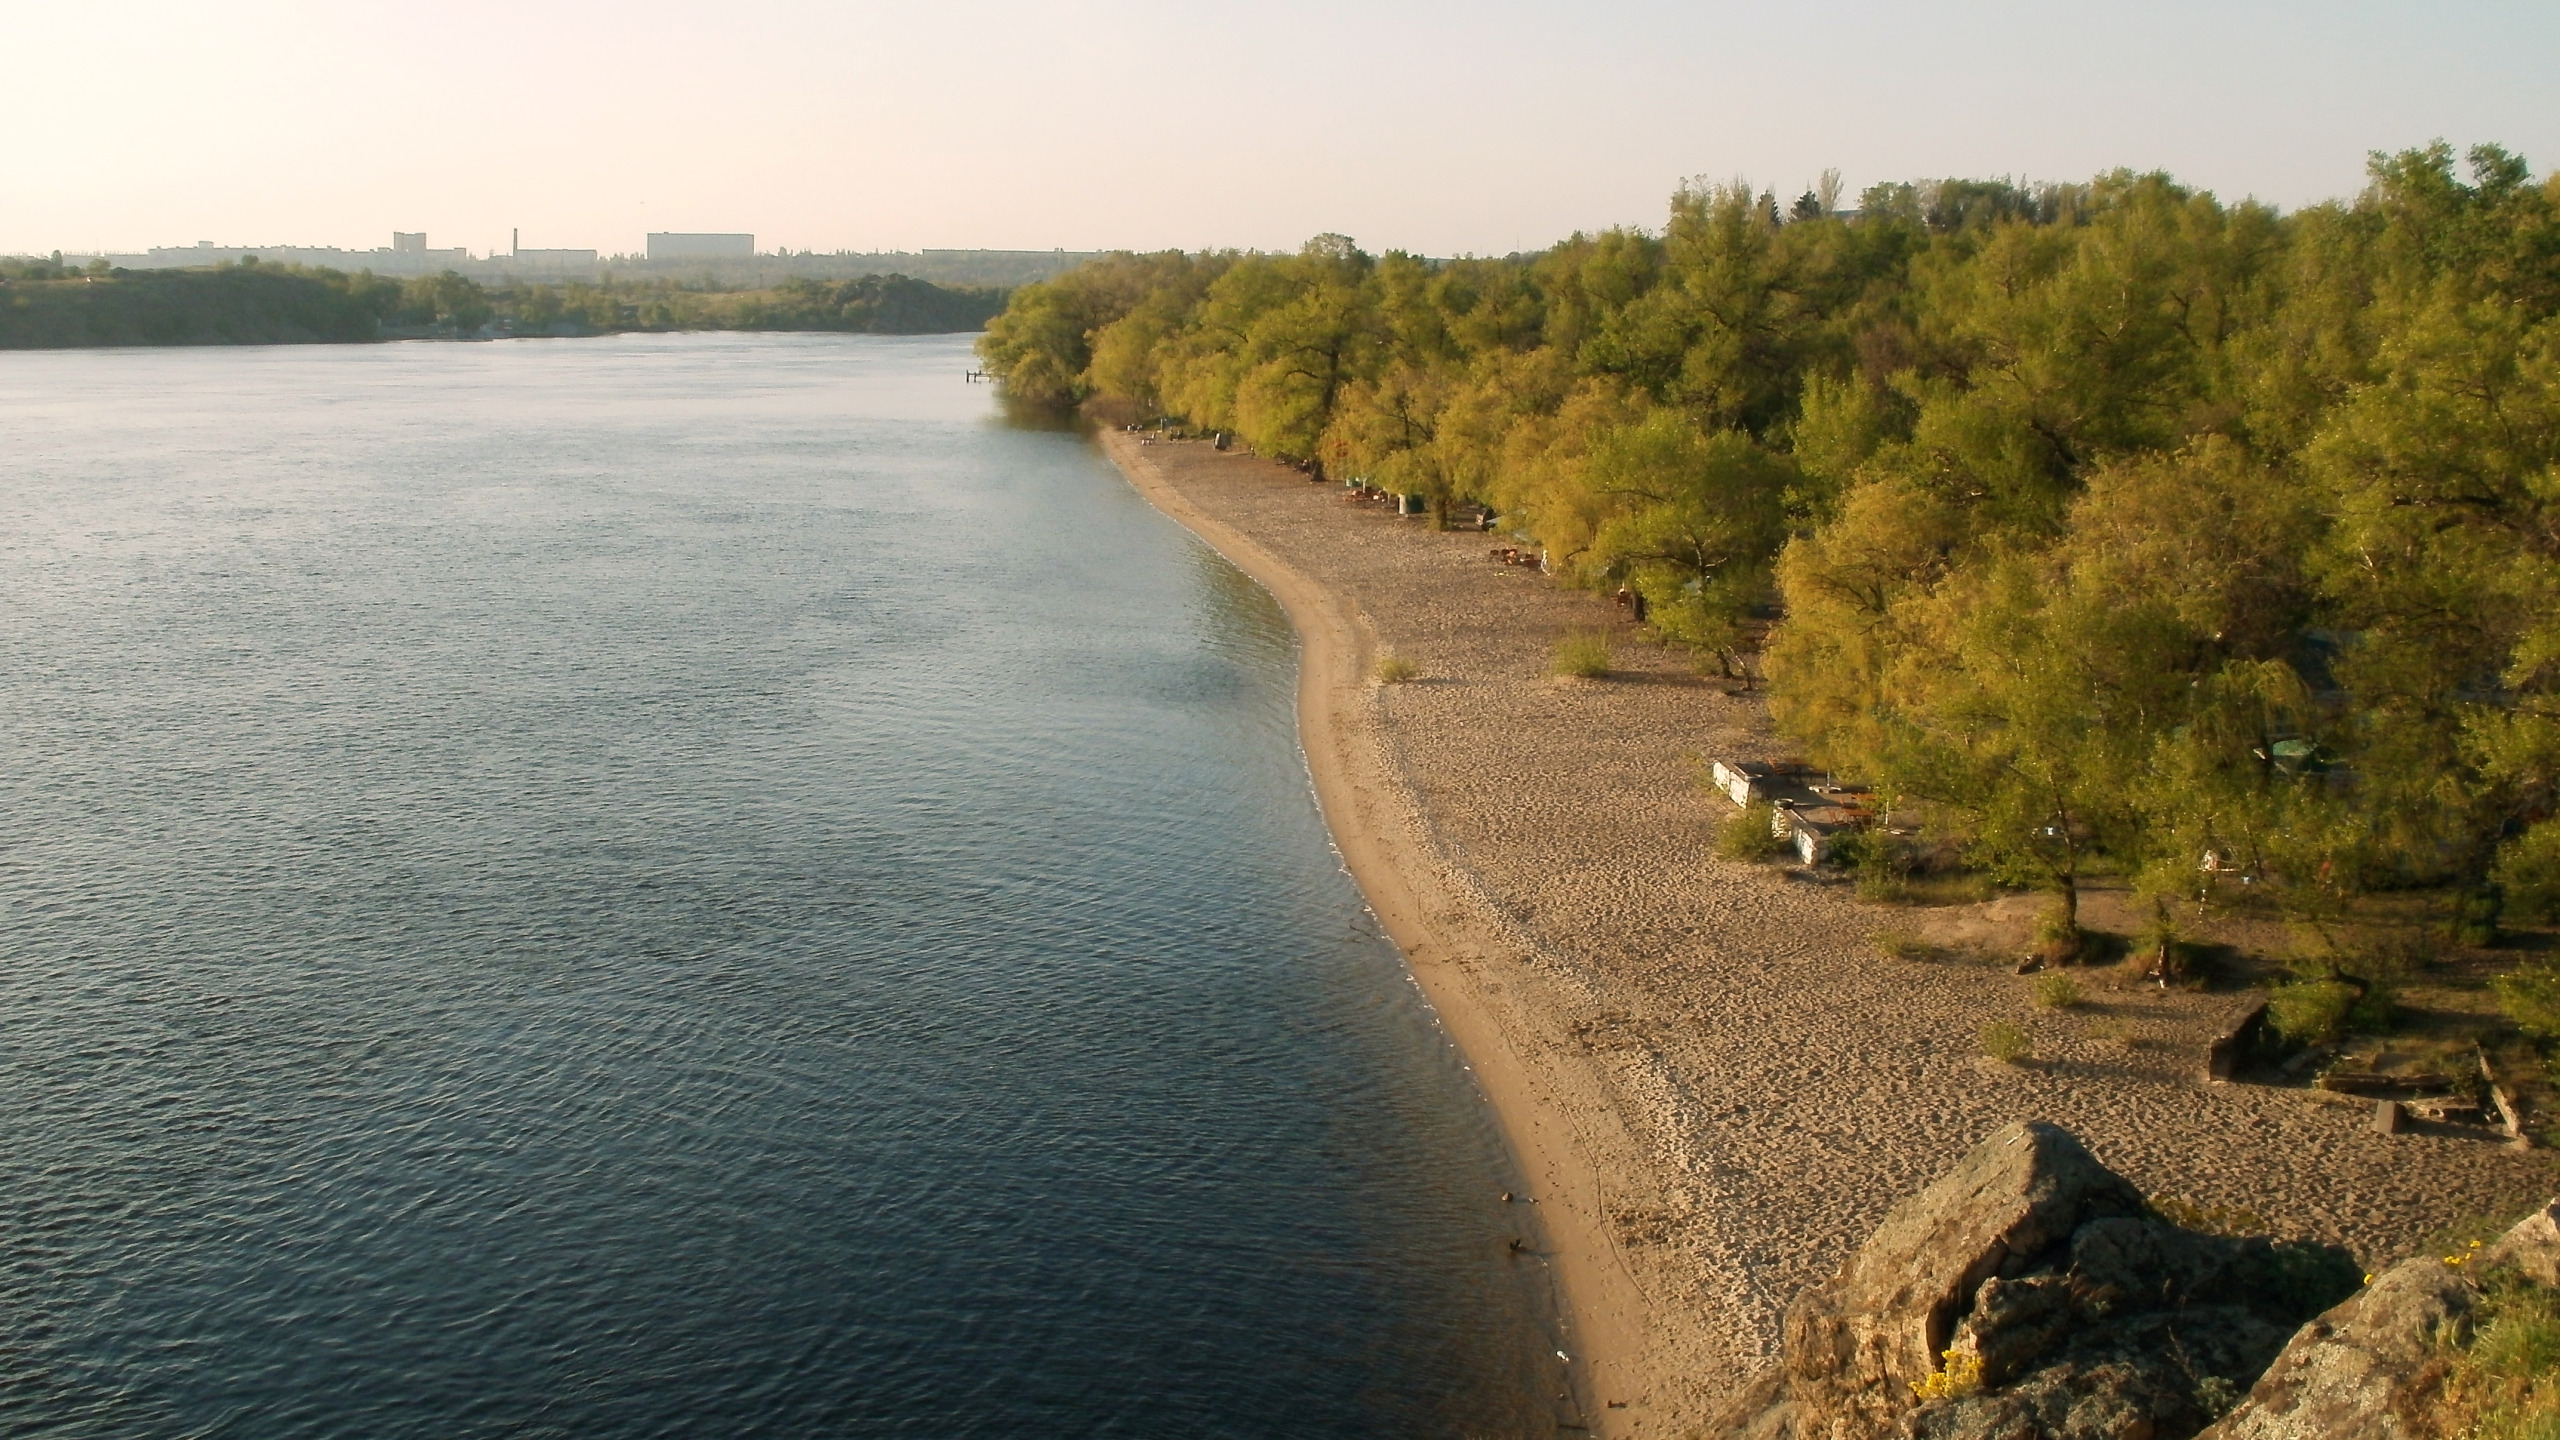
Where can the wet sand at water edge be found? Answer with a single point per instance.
(1713, 1084)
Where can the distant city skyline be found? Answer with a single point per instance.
(1096, 124)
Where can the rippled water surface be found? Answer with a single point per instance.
(684, 886)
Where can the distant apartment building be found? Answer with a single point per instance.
(666, 245)
(408, 255)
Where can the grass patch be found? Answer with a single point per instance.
(1921, 890)
(2505, 1383)
(2007, 1041)
(2471, 1232)
(1884, 890)
(2530, 994)
(2118, 1032)
(2321, 1012)
(1582, 655)
(2227, 1220)
(1394, 669)
(2056, 991)
(1901, 945)
(1748, 835)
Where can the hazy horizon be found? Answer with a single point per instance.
(1102, 124)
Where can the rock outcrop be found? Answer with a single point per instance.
(2032, 1295)
(2532, 1247)
(2369, 1368)
(2364, 1369)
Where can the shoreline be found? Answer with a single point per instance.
(1356, 789)
(1712, 1077)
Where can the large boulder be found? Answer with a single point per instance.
(2366, 1369)
(2370, 1368)
(2032, 1295)
(1856, 1345)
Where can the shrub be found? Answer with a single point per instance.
(1394, 669)
(2529, 872)
(1868, 851)
(2056, 992)
(2476, 916)
(2376, 1012)
(2311, 1012)
(1748, 835)
(2217, 1396)
(2530, 994)
(1881, 861)
(2007, 1042)
(1582, 655)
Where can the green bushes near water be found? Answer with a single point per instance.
(233, 305)
(43, 306)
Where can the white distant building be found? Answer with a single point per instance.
(520, 257)
(408, 255)
(670, 245)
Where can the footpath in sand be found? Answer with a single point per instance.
(1713, 1084)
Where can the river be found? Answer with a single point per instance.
(686, 886)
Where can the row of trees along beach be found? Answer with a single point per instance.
(2102, 528)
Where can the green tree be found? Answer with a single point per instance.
(446, 300)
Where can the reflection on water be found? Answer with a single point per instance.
(685, 886)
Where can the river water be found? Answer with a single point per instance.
(685, 886)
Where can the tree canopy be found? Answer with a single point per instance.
(2105, 522)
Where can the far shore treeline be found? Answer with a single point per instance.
(44, 305)
(2102, 526)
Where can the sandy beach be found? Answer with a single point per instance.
(1712, 1081)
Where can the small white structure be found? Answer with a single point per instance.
(1805, 809)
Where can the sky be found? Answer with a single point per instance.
(1424, 125)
